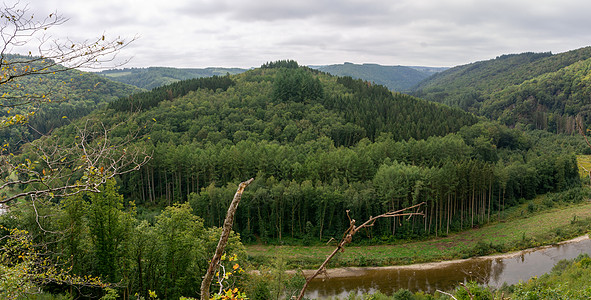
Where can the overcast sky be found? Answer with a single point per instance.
(248, 33)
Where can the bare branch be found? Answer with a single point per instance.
(61, 168)
(448, 294)
(228, 223)
(28, 51)
(348, 237)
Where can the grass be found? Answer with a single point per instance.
(584, 163)
(520, 229)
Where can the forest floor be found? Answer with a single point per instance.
(520, 229)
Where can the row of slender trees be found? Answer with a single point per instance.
(303, 191)
(458, 195)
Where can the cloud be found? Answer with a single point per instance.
(247, 33)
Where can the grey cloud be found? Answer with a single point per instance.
(249, 32)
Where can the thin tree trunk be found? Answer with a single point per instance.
(472, 207)
(448, 212)
(489, 197)
(228, 222)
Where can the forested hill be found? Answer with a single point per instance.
(539, 90)
(149, 78)
(396, 78)
(292, 105)
(67, 95)
(317, 145)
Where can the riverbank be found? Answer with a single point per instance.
(532, 230)
(349, 272)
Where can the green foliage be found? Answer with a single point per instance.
(61, 97)
(400, 294)
(473, 291)
(24, 269)
(99, 237)
(378, 111)
(319, 145)
(287, 64)
(108, 229)
(568, 280)
(273, 282)
(296, 85)
(147, 100)
(403, 295)
(536, 90)
(110, 294)
(153, 77)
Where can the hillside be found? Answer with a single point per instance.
(318, 145)
(396, 78)
(69, 95)
(540, 90)
(149, 78)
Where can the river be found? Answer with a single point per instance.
(490, 270)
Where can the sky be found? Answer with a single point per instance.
(248, 33)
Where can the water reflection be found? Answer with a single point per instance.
(492, 271)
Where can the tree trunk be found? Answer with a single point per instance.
(228, 222)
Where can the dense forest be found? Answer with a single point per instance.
(534, 90)
(66, 96)
(316, 144)
(152, 77)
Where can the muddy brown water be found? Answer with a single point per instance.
(491, 270)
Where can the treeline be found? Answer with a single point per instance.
(303, 192)
(153, 77)
(377, 110)
(533, 90)
(548, 102)
(318, 145)
(147, 100)
(279, 64)
(65, 96)
(290, 106)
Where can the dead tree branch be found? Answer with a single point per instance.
(447, 294)
(61, 167)
(228, 222)
(353, 229)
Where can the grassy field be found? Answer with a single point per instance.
(519, 230)
(584, 163)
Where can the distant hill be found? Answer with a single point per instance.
(537, 90)
(149, 78)
(71, 94)
(396, 78)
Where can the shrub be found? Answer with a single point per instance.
(403, 295)
(478, 292)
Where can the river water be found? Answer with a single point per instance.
(492, 270)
